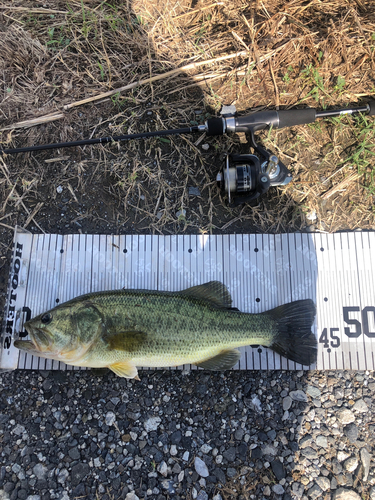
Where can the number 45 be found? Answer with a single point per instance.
(323, 339)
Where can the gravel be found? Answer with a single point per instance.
(187, 435)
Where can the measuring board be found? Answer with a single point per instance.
(261, 271)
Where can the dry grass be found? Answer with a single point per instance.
(82, 69)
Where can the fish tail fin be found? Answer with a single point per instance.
(294, 338)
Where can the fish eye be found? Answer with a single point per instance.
(46, 318)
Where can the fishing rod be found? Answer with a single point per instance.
(244, 177)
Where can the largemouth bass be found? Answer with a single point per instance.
(126, 329)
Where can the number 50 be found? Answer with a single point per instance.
(365, 314)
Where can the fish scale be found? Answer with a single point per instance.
(181, 330)
(124, 329)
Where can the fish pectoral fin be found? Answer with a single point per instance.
(125, 369)
(222, 361)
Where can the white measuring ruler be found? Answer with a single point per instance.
(261, 271)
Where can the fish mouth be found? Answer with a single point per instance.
(25, 345)
(39, 341)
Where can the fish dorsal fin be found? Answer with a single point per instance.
(129, 341)
(125, 369)
(223, 361)
(214, 292)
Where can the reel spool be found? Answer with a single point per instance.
(243, 178)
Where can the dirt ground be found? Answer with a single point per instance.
(177, 63)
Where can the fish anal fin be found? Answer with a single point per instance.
(125, 369)
(223, 361)
(214, 292)
(128, 341)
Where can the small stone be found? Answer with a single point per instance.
(202, 495)
(206, 448)
(205, 147)
(163, 469)
(217, 497)
(278, 469)
(311, 215)
(239, 434)
(62, 476)
(74, 453)
(168, 485)
(309, 453)
(176, 468)
(219, 474)
(322, 441)
(298, 489)
(323, 482)
(298, 396)
(314, 492)
(152, 424)
(231, 472)
(131, 496)
(342, 455)
(344, 494)
(16, 468)
(173, 450)
(59, 189)
(194, 191)
(228, 110)
(351, 432)
(230, 454)
(346, 416)
(360, 406)
(22, 494)
(313, 392)
(79, 472)
(268, 449)
(185, 456)
(365, 459)
(278, 489)
(110, 418)
(351, 464)
(18, 430)
(201, 467)
(256, 404)
(267, 491)
(287, 403)
(40, 471)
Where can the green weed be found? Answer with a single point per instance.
(286, 77)
(313, 77)
(340, 84)
(363, 154)
(102, 74)
(56, 40)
